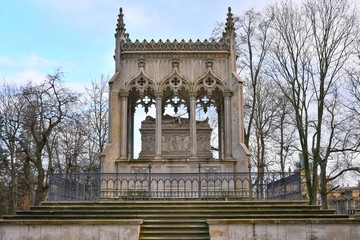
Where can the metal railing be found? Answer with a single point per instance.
(151, 186)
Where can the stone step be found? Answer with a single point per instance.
(176, 210)
(174, 229)
(174, 238)
(175, 206)
(180, 206)
(178, 203)
(168, 215)
(161, 210)
(139, 207)
(178, 232)
(188, 227)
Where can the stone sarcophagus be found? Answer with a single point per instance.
(175, 138)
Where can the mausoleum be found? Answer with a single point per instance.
(183, 74)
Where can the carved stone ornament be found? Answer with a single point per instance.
(128, 45)
(175, 138)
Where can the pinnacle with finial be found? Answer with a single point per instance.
(229, 28)
(120, 26)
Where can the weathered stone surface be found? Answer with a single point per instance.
(241, 232)
(30, 232)
(69, 232)
(129, 233)
(317, 231)
(266, 231)
(76, 231)
(52, 232)
(296, 231)
(354, 231)
(108, 232)
(284, 229)
(90, 232)
(219, 232)
(10, 232)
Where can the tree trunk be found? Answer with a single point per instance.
(13, 200)
(323, 188)
(40, 188)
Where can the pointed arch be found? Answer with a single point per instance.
(176, 82)
(141, 82)
(209, 88)
(210, 82)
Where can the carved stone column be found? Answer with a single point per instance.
(123, 124)
(220, 134)
(131, 113)
(193, 143)
(227, 124)
(158, 132)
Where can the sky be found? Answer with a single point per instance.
(37, 37)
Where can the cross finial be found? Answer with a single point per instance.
(120, 26)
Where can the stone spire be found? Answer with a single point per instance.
(120, 27)
(229, 26)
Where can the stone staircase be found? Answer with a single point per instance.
(166, 220)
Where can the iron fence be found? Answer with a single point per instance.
(151, 186)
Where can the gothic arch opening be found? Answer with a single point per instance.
(141, 103)
(209, 108)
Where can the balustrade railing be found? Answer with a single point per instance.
(151, 186)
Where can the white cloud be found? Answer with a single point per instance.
(32, 61)
(6, 61)
(22, 77)
(33, 67)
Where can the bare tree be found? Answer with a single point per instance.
(284, 135)
(11, 108)
(96, 120)
(46, 106)
(252, 37)
(67, 145)
(314, 42)
(44, 129)
(96, 101)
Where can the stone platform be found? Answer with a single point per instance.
(195, 220)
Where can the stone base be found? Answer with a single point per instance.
(70, 229)
(284, 229)
(178, 166)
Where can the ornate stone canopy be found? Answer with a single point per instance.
(191, 74)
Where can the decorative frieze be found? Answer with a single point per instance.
(128, 45)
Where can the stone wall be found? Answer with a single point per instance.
(70, 230)
(310, 229)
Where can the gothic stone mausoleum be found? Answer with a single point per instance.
(188, 75)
